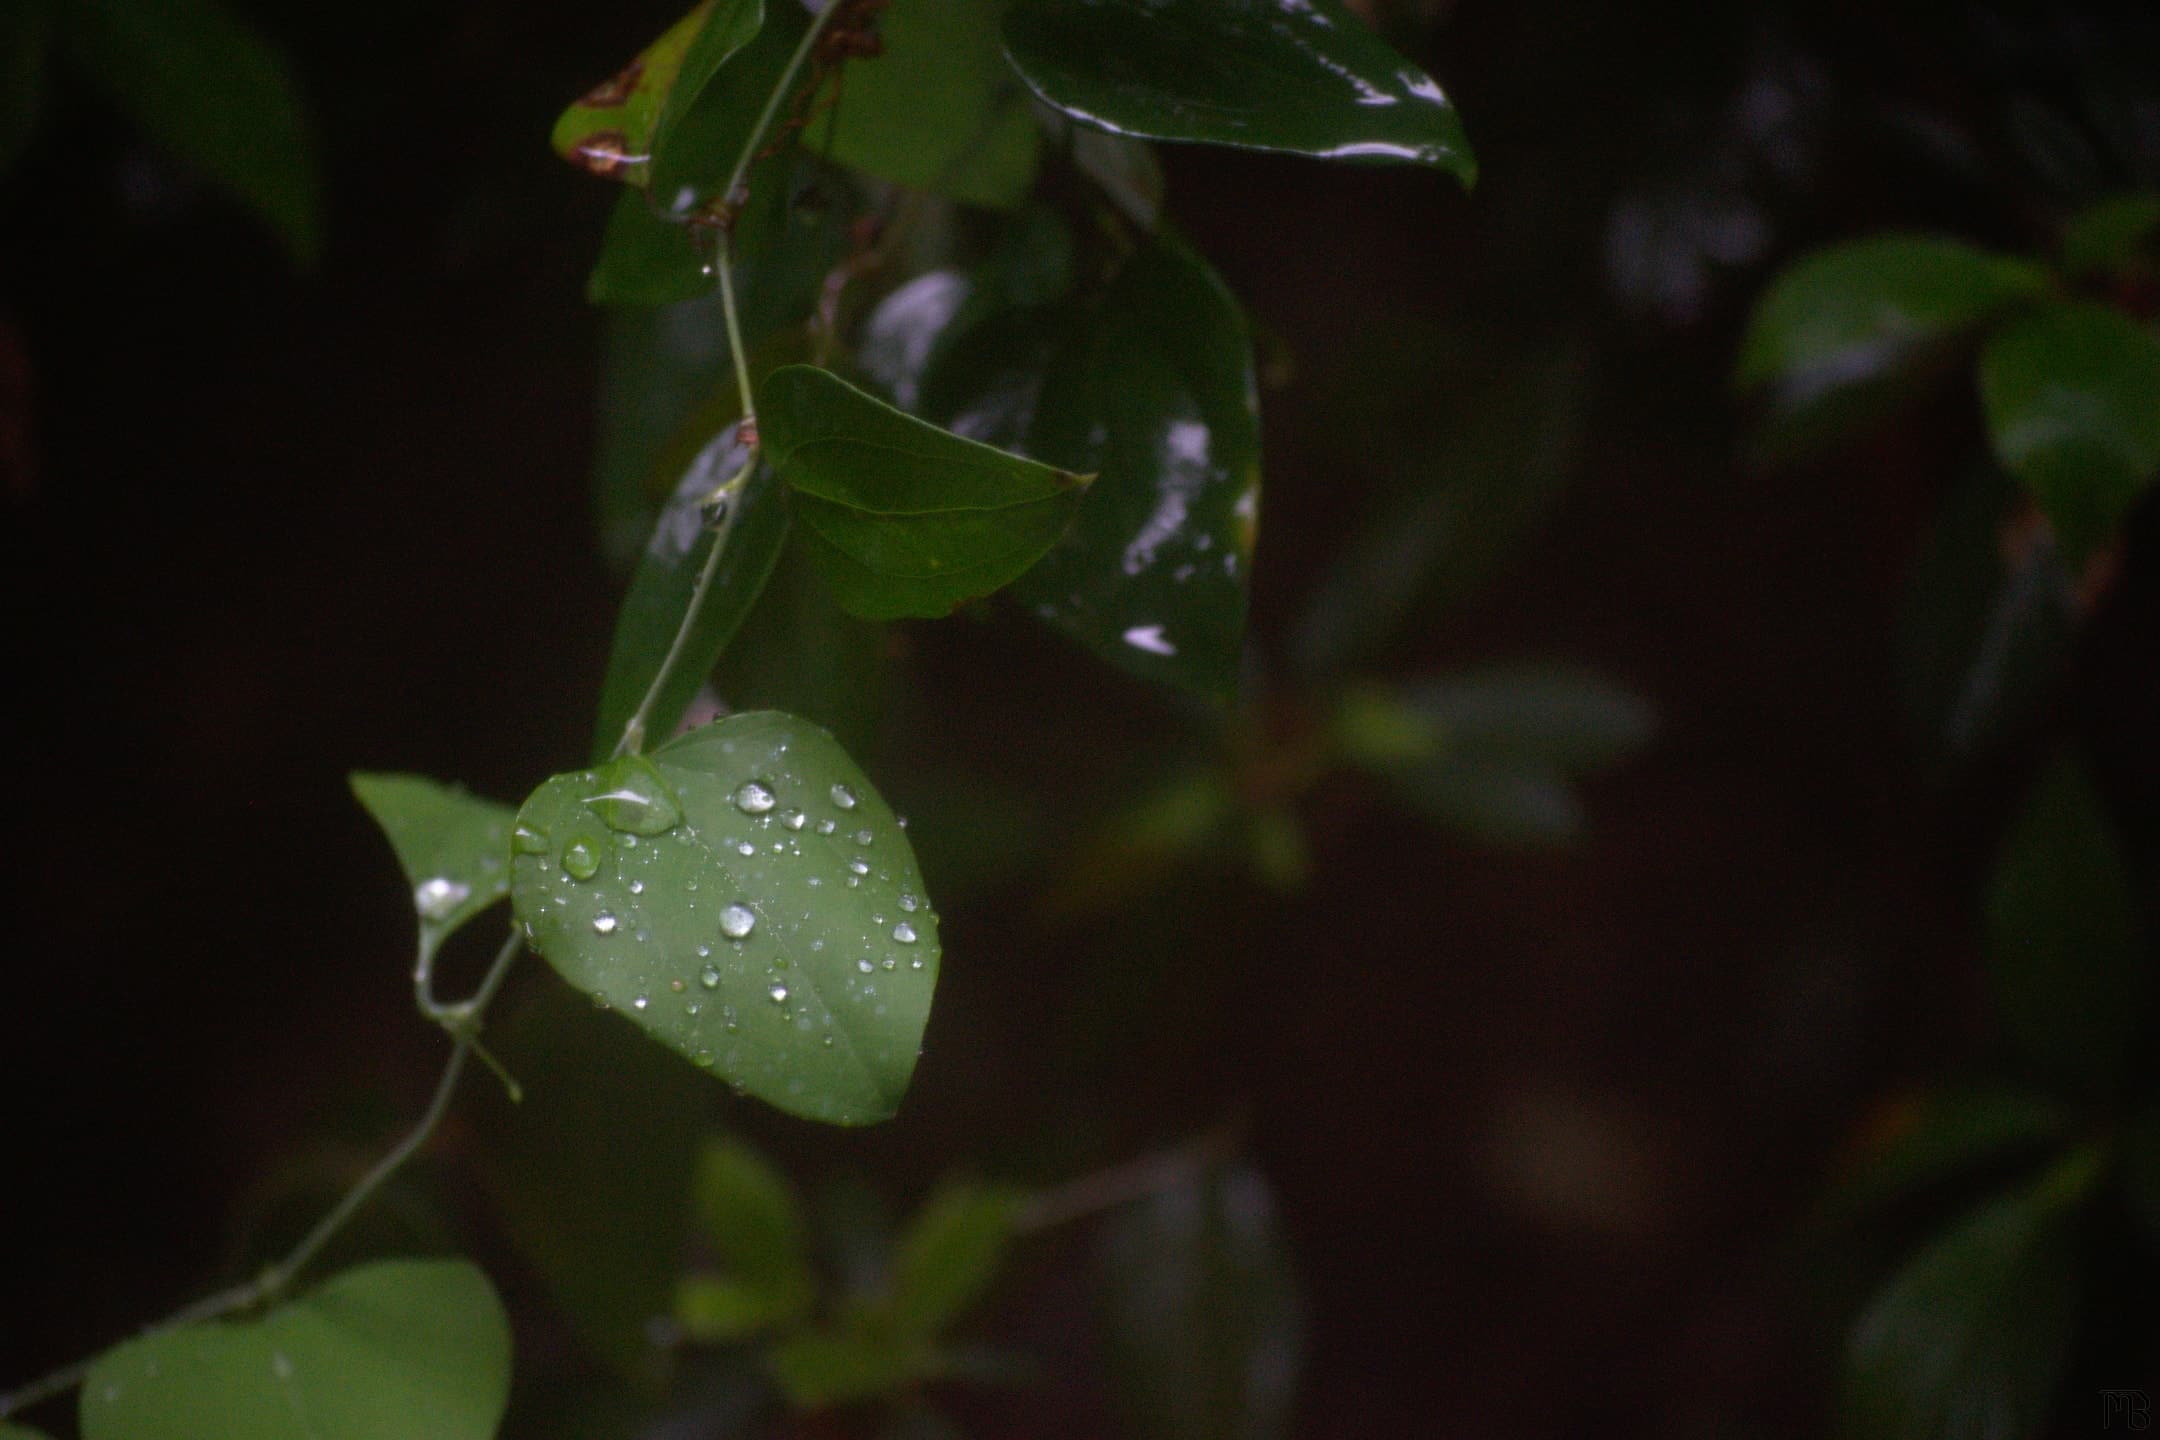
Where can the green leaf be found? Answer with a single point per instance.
(729, 26)
(752, 1219)
(823, 1368)
(667, 575)
(1970, 1338)
(598, 1208)
(1561, 714)
(2066, 960)
(1202, 1310)
(951, 1254)
(26, 29)
(613, 129)
(1155, 389)
(903, 518)
(692, 168)
(1948, 1135)
(1836, 336)
(400, 1350)
(647, 258)
(801, 652)
(800, 971)
(2108, 237)
(215, 92)
(2072, 393)
(454, 848)
(938, 109)
(1303, 76)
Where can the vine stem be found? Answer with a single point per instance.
(463, 1021)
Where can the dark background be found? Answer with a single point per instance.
(1541, 1124)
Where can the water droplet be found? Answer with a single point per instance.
(637, 887)
(703, 951)
(778, 993)
(605, 922)
(677, 986)
(915, 964)
(865, 966)
(859, 865)
(709, 977)
(843, 797)
(904, 933)
(908, 902)
(753, 798)
(703, 1059)
(864, 837)
(599, 1000)
(745, 848)
(439, 898)
(525, 840)
(1149, 638)
(826, 827)
(633, 798)
(581, 859)
(641, 1002)
(793, 819)
(737, 921)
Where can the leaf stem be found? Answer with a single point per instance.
(464, 1027)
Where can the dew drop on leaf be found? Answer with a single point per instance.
(581, 860)
(439, 898)
(525, 840)
(709, 977)
(737, 921)
(604, 923)
(904, 933)
(753, 798)
(843, 797)
(633, 798)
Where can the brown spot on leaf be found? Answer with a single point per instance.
(615, 91)
(604, 152)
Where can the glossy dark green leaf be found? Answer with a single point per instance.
(399, 1350)
(26, 28)
(1970, 1338)
(1947, 1135)
(2108, 237)
(1304, 76)
(2066, 960)
(801, 652)
(664, 393)
(950, 1254)
(615, 129)
(217, 93)
(660, 593)
(728, 26)
(596, 1205)
(692, 168)
(1154, 388)
(1989, 614)
(752, 1220)
(903, 518)
(1204, 1320)
(454, 848)
(744, 897)
(647, 257)
(2072, 393)
(1836, 335)
(938, 109)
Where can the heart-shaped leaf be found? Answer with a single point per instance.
(667, 576)
(1155, 389)
(903, 518)
(454, 848)
(2072, 393)
(1304, 76)
(744, 897)
(616, 128)
(399, 1350)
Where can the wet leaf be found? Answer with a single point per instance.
(691, 169)
(615, 129)
(1154, 388)
(399, 1348)
(752, 1219)
(217, 93)
(903, 518)
(1835, 338)
(938, 109)
(660, 593)
(26, 28)
(597, 1205)
(1203, 1314)
(454, 848)
(1303, 76)
(2072, 393)
(2110, 236)
(1970, 1338)
(1947, 1135)
(2065, 957)
(744, 897)
(950, 1254)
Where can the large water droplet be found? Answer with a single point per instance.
(843, 797)
(439, 898)
(737, 921)
(793, 819)
(604, 923)
(904, 933)
(908, 902)
(581, 859)
(633, 798)
(753, 798)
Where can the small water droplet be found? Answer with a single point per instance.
(525, 840)
(908, 902)
(864, 965)
(778, 993)
(859, 865)
(904, 933)
(753, 798)
(826, 827)
(677, 986)
(439, 898)
(737, 921)
(703, 1059)
(793, 819)
(915, 964)
(605, 923)
(745, 848)
(581, 859)
(599, 1000)
(864, 837)
(843, 797)
(709, 977)
(281, 1365)
(637, 887)
(641, 1002)
(633, 798)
